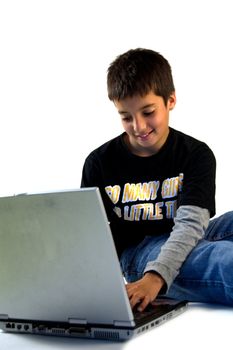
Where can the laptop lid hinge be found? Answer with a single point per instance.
(4, 317)
(77, 321)
(124, 323)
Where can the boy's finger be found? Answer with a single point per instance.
(144, 304)
(134, 300)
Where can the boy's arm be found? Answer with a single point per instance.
(189, 227)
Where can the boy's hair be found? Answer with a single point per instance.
(137, 72)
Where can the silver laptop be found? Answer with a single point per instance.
(59, 270)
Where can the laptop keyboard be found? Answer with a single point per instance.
(152, 310)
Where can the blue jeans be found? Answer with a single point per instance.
(207, 273)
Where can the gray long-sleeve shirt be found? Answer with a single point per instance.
(190, 225)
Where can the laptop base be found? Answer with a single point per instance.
(90, 331)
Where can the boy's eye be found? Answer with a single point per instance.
(126, 119)
(148, 113)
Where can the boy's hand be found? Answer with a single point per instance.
(145, 290)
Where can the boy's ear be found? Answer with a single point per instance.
(172, 101)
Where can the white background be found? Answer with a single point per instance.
(53, 102)
(54, 109)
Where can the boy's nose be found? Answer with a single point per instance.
(139, 125)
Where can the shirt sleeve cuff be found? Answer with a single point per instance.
(163, 271)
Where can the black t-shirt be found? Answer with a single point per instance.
(141, 194)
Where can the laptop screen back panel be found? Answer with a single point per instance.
(58, 260)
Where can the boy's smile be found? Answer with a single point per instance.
(145, 120)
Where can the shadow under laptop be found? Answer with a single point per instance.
(34, 341)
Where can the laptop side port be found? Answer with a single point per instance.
(77, 331)
(49, 330)
(9, 325)
(18, 327)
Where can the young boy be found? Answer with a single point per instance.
(158, 188)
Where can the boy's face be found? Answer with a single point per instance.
(145, 120)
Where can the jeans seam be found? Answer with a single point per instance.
(201, 282)
(219, 237)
